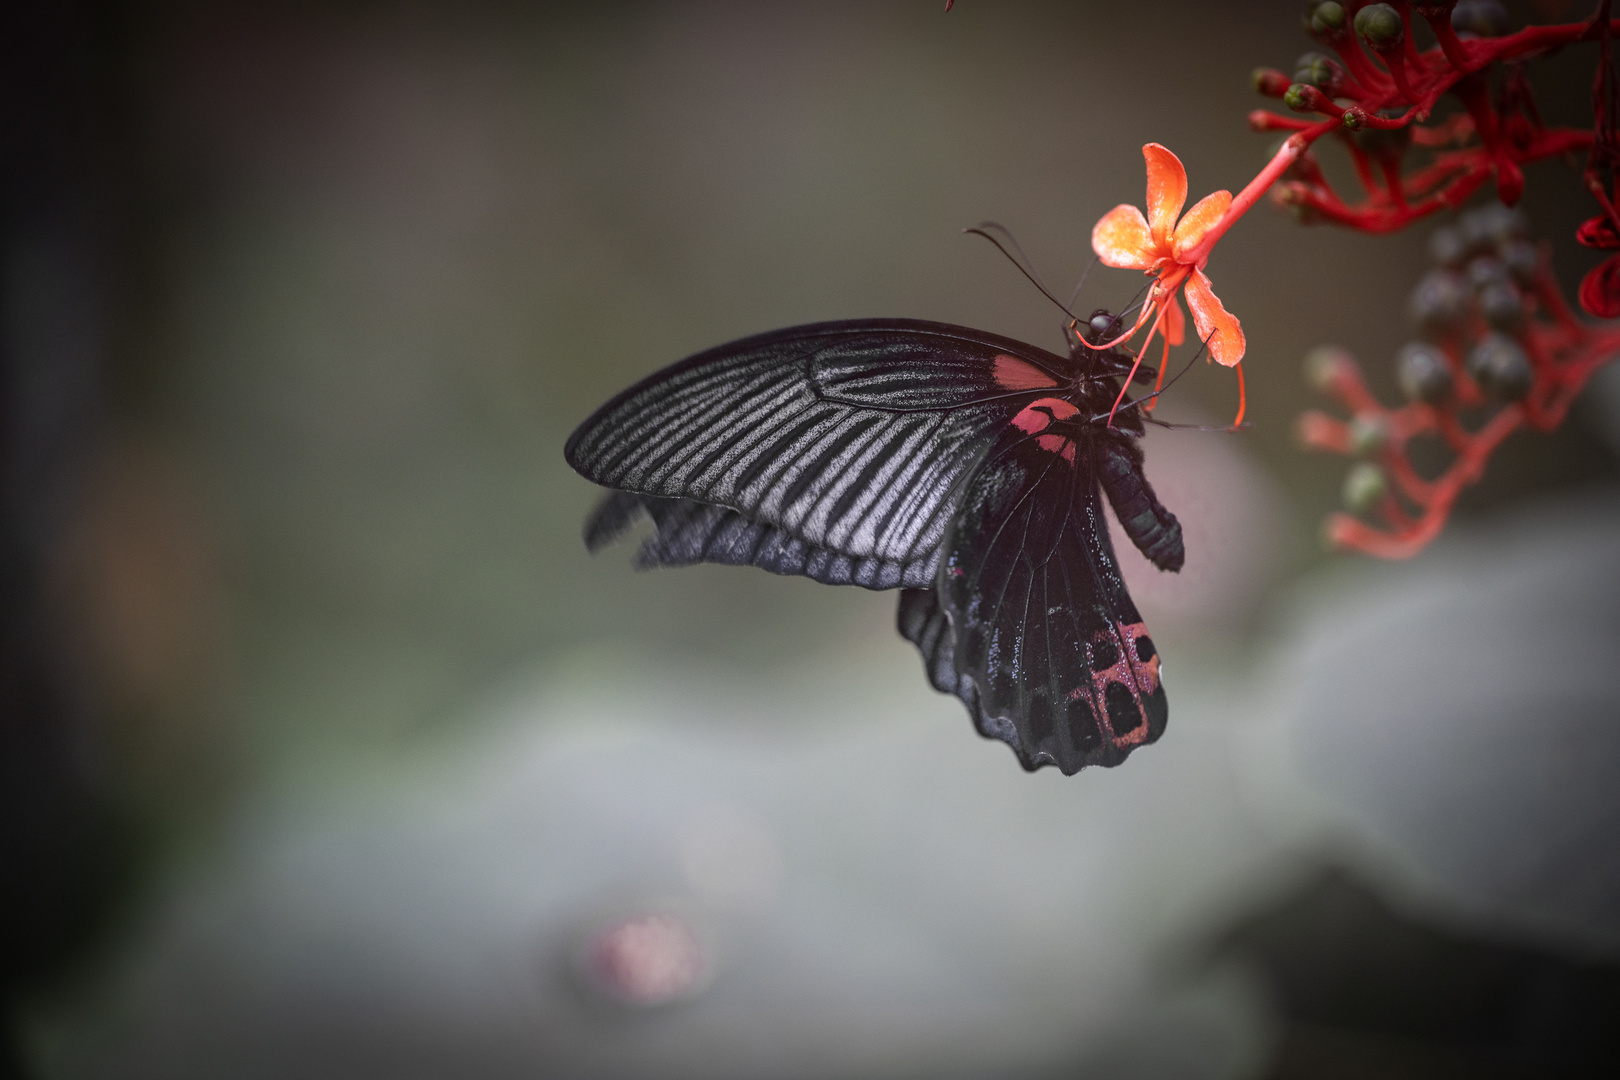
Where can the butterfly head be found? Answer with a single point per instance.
(1097, 371)
(1095, 363)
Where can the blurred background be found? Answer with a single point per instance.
(326, 750)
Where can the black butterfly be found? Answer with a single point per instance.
(958, 466)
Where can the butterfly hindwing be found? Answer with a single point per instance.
(849, 437)
(687, 532)
(1053, 653)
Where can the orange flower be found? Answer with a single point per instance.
(1160, 244)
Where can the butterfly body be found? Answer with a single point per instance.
(964, 468)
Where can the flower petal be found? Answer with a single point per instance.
(1600, 289)
(1166, 191)
(1196, 223)
(1175, 323)
(1225, 333)
(1122, 239)
(1598, 232)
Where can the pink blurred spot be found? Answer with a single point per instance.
(647, 959)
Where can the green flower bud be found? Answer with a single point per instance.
(1303, 97)
(1325, 363)
(1502, 305)
(1369, 433)
(1327, 18)
(1439, 303)
(1423, 373)
(1481, 18)
(1269, 81)
(1500, 365)
(1320, 71)
(1380, 26)
(1364, 487)
(1303, 213)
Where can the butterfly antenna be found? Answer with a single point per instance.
(1136, 301)
(1017, 260)
(1074, 299)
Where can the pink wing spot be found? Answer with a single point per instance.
(1145, 675)
(1068, 451)
(1039, 414)
(1141, 678)
(1015, 374)
(1032, 419)
(1057, 444)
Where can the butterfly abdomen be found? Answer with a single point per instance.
(1152, 528)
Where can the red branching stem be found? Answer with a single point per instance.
(1595, 186)
(1291, 149)
(1475, 94)
(1361, 68)
(1420, 79)
(1564, 354)
(1555, 142)
(1450, 426)
(1319, 431)
(1412, 56)
(1494, 138)
(1444, 167)
(1394, 512)
(1383, 219)
(1454, 48)
(1347, 385)
(1363, 165)
(1413, 486)
(1547, 294)
(1453, 130)
(1400, 542)
(1396, 62)
(1360, 117)
(1266, 120)
(1391, 169)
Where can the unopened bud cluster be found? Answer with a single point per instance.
(1494, 348)
(1486, 264)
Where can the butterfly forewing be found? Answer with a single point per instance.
(852, 437)
(1042, 628)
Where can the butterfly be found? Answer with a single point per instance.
(961, 467)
